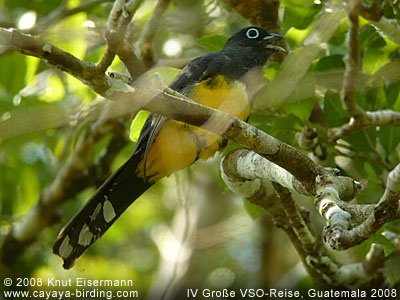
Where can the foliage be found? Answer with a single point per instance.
(41, 111)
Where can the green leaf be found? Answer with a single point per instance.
(137, 124)
(299, 3)
(301, 108)
(286, 127)
(373, 60)
(167, 74)
(329, 63)
(68, 34)
(369, 37)
(253, 210)
(364, 140)
(392, 94)
(13, 73)
(393, 226)
(329, 72)
(298, 17)
(55, 90)
(212, 43)
(379, 239)
(334, 113)
(389, 137)
(232, 146)
(304, 89)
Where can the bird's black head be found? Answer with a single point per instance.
(255, 39)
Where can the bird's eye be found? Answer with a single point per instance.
(252, 33)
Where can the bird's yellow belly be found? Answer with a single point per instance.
(178, 145)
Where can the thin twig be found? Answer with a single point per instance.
(112, 35)
(117, 26)
(351, 61)
(71, 179)
(46, 23)
(60, 14)
(149, 32)
(396, 9)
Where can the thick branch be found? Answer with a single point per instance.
(249, 166)
(284, 213)
(173, 106)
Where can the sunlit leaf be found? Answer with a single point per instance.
(379, 239)
(137, 124)
(369, 37)
(69, 34)
(253, 210)
(13, 73)
(299, 17)
(334, 113)
(373, 60)
(213, 42)
(167, 74)
(55, 90)
(301, 108)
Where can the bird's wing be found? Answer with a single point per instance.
(197, 70)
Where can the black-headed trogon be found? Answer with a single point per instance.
(164, 145)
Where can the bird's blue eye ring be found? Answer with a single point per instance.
(252, 33)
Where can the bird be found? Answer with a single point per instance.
(164, 145)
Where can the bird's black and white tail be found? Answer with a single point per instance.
(100, 212)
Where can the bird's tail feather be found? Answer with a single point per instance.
(100, 212)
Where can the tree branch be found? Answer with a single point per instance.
(285, 213)
(62, 13)
(70, 180)
(367, 119)
(341, 236)
(55, 17)
(149, 31)
(117, 24)
(351, 60)
(396, 9)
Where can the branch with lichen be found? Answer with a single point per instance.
(278, 202)
(163, 101)
(308, 139)
(248, 175)
(365, 120)
(341, 235)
